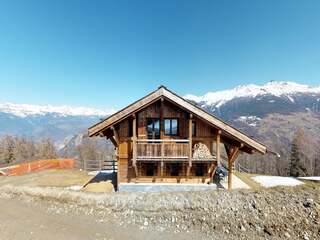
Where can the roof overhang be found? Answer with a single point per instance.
(163, 92)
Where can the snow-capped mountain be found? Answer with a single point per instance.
(253, 102)
(250, 108)
(24, 110)
(272, 88)
(55, 122)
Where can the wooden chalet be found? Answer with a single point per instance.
(156, 139)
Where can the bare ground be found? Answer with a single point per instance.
(278, 213)
(23, 220)
(37, 206)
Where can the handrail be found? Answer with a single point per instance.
(163, 140)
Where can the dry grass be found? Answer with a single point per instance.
(48, 178)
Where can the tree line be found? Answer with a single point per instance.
(20, 149)
(299, 157)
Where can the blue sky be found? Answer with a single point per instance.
(106, 54)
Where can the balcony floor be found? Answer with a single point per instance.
(175, 159)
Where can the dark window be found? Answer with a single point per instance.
(153, 128)
(194, 129)
(199, 169)
(171, 126)
(130, 131)
(151, 169)
(174, 169)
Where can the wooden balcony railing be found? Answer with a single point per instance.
(159, 149)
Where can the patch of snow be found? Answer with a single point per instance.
(274, 88)
(273, 181)
(290, 98)
(271, 101)
(94, 173)
(314, 178)
(24, 110)
(74, 188)
(250, 120)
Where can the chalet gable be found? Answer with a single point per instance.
(162, 92)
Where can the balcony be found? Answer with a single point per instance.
(175, 150)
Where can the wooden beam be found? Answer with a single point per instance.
(232, 153)
(134, 146)
(114, 142)
(218, 148)
(115, 135)
(161, 118)
(190, 145)
(162, 157)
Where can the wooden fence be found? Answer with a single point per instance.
(97, 164)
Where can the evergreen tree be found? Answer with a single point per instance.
(316, 169)
(297, 166)
(7, 149)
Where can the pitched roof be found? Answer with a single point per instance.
(197, 111)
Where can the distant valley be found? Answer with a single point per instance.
(272, 113)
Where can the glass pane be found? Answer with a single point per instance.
(156, 126)
(193, 128)
(149, 125)
(174, 126)
(167, 126)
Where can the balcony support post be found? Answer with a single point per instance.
(190, 145)
(232, 153)
(134, 146)
(162, 157)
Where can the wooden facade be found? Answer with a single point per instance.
(155, 139)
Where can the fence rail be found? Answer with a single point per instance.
(97, 164)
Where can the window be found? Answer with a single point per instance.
(194, 129)
(130, 129)
(171, 126)
(153, 128)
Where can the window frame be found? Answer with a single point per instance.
(153, 127)
(164, 126)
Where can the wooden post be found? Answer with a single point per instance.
(100, 164)
(161, 119)
(230, 172)
(161, 136)
(232, 153)
(190, 145)
(162, 157)
(218, 147)
(134, 147)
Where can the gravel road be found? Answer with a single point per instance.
(24, 220)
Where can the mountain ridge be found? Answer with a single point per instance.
(272, 88)
(24, 110)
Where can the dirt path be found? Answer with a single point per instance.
(24, 220)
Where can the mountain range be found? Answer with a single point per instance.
(271, 111)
